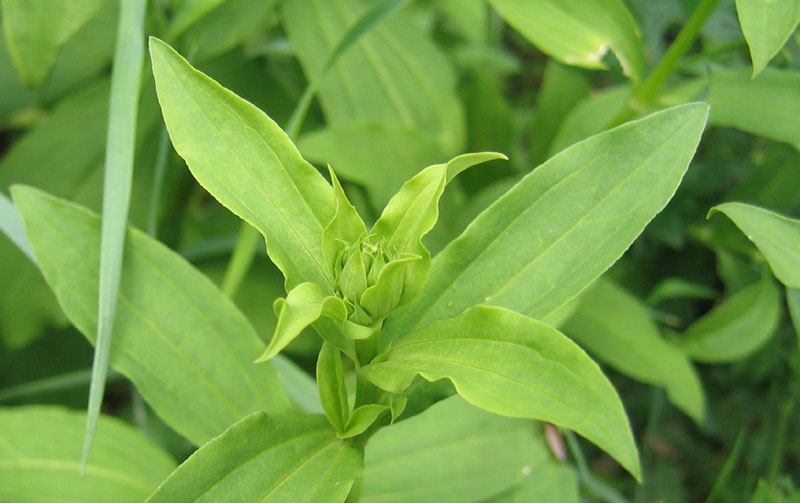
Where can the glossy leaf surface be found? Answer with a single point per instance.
(248, 163)
(578, 32)
(776, 236)
(562, 225)
(40, 459)
(616, 327)
(183, 343)
(509, 364)
(267, 459)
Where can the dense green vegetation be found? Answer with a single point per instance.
(380, 251)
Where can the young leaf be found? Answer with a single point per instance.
(267, 459)
(564, 224)
(361, 419)
(509, 364)
(332, 390)
(36, 29)
(302, 307)
(248, 163)
(117, 181)
(39, 459)
(402, 77)
(767, 25)
(453, 452)
(578, 32)
(616, 327)
(345, 228)
(776, 236)
(737, 327)
(763, 106)
(183, 343)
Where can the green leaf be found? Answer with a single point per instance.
(394, 75)
(12, 226)
(776, 236)
(183, 343)
(379, 157)
(564, 224)
(551, 482)
(512, 365)
(451, 453)
(616, 327)
(117, 183)
(39, 460)
(793, 300)
(35, 30)
(737, 327)
(301, 387)
(345, 228)
(302, 307)
(767, 25)
(267, 459)
(762, 106)
(248, 163)
(332, 390)
(189, 12)
(578, 32)
(362, 418)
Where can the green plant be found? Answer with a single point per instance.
(432, 326)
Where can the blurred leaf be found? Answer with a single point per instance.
(451, 453)
(616, 327)
(679, 288)
(40, 463)
(590, 116)
(267, 459)
(35, 30)
(188, 13)
(767, 25)
(178, 338)
(578, 32)
(468, 19)
(762, 106)
(12, 226)
(394, 75)
(511, 365)
(248, 163)
(737, 327)
(379, 157)
(774, 182)
(551, 482)
(793, 299)
(564, 224)
(776, 236)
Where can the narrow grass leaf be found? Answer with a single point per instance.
(512, 365)
(267, 459)
(120, 145)
(39, 464)
(561, 226)
(183, 343)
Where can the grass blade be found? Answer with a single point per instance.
(51, 384)
(11, 225)
(125, 86)
(244, 253)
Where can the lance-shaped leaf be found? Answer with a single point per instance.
(413, 212)
(39, 459)
(777, 236)
(512, 365)
(738, 326)
(561, 226)
(762, 106)
(578, 32)
(248, 163)
(332, 390)
(345, 228)
(616, 327)
(767, 25)
(184, 344)
(267, 459)
(302, 307)
(362, 418)
(453, 452)
(36, 29)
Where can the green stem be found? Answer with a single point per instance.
(728, 467)
(780, 437)
(600, 489)
(644, 94)
(158, 183)
(243, 254)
